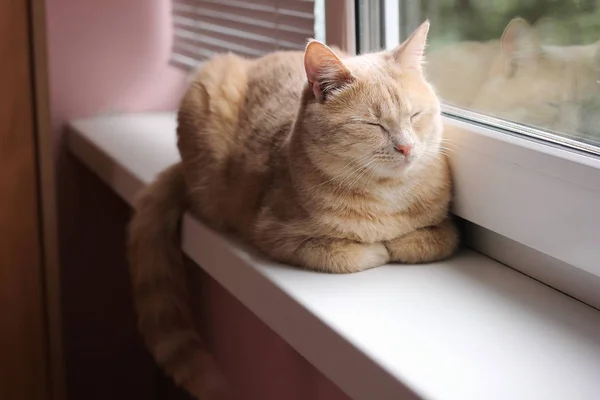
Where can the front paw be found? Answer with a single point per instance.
(424, 245)
(341, 256)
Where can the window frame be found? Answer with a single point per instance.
(340, 24)
(501, 176)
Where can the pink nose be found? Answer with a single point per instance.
(403, 149)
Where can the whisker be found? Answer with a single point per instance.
(342, 184)
(345, 173)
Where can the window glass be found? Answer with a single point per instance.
(530, 63)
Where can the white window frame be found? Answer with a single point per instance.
(528, 203)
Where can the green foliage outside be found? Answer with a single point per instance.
(559, 22)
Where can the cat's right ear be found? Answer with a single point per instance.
(325, 71)
(411, 53)
(520, 45)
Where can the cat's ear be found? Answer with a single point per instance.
(411, 53)
(520, 45)
(324, 70)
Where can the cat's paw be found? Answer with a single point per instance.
(343, 256)
(424, 245)
(367, 256)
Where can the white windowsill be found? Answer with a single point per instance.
(468, 328)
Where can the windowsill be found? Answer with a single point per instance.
(467, 328)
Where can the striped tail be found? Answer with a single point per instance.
(159, 287)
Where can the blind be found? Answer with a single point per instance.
(203, 28)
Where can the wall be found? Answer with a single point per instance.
(104, 56)
(112, 56)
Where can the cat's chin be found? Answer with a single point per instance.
(395, 168)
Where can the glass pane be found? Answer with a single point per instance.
(320, 20)
(533, 62)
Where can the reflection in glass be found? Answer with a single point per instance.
(532, 62)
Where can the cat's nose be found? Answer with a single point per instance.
(404, 149)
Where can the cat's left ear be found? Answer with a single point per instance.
(324, 70)
(411, 53)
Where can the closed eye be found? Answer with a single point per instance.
(377, 124)
(370, 122)
(415, 116)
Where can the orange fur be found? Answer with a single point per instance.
(296, 154)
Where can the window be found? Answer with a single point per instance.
(532, 63)
(520, 83)
(204, 28)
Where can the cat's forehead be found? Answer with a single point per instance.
(365, 63)
(385, 97)
(376, 67)
(372, 67)
(384, 88)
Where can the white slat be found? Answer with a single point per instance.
(203, 28)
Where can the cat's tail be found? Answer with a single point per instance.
(159, 285)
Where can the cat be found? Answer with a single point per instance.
(519, 79)
(320, 160)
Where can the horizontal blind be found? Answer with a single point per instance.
(203, 28)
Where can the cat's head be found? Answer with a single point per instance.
(537, 84)
(374, 110)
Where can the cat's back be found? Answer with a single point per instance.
(275, 84)
(277, 76)
(228, 85)
(234, 96)
(231, 121)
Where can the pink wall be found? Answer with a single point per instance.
(104, 56)
(111, 56)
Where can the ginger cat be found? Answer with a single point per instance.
(323, 161)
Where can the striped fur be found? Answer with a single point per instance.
(296, 153)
